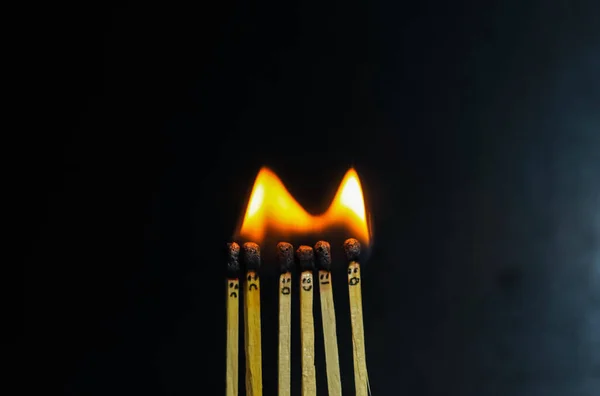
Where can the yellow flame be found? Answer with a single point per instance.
(273, 210)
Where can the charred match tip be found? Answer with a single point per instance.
(323, 253)
(251, 256)
(352, 249)
(285, 256)
(306, 258)
(233, 260)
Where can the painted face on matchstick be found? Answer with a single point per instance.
(234, 285)
(285, 283)
(324, 277)
(252, 281)
(353, 274)
(307, 281)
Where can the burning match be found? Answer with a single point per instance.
(252, 326)
(273, 215)
(233, 307)
(323, 254)
(306, 262)
(361, 379)
(285, 256)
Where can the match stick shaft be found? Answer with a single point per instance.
(233, 306)
(358, 338)
(252, 336)
(285, 301)
(307, 336)
(334, 385)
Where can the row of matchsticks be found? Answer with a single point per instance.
(305, 257)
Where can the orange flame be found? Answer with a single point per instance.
(272, 210)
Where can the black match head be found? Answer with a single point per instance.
(306, 258)
(251, 256)
(323, 254)
(352, 249)
(233, 260)
(285, 256)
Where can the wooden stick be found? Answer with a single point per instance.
(233, 309)
(323, 254)
(285, 252)
(307, 331)
(361, 379)
(233, 323)
(252, 326)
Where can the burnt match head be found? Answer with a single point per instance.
(306, 258)
(352, 249)
(251, 256)
(233, 260)
(323, 254)
(285, 256)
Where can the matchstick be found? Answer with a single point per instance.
(323, 256)
(361, 380)
(233, 320)
(252, 327)
(285, 256)
(306, 262)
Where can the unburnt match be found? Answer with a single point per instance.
(252, 326)
(361, 379)
(233, 309)
(323, 259)
(285, 256)
(306, 262)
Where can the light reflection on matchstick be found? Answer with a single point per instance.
(323, 255)
(306, 263)
(361, 380)
(233, 307)
(285, 256)
(252, 323)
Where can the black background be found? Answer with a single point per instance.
(475, 130)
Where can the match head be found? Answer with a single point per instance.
(323, 254)
(306, 258)
(233, 260)
(251, 256)
(285, 256)
(352, 249)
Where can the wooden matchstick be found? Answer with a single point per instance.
(233, 309)
(252, 328)
(361, 379)
(306, 262)
(285, 256)
(323, 255)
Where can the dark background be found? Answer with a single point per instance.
(476, 132)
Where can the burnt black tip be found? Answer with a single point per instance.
(251, 256)
(323, 254)
(306, 258)
(233, 260)
(352, 249)
(285, 256)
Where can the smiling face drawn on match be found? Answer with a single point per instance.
(285, 283)
(252, 282)
(353, 274)
(234, 285)
(307, 281)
